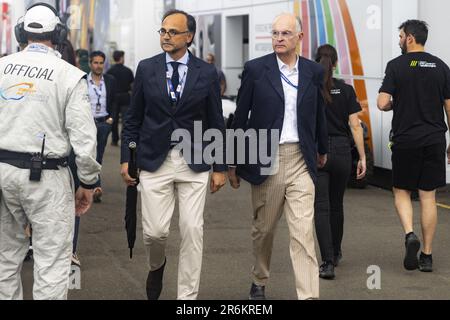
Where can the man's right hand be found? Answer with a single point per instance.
(322, 160)
(129, 181)
(83, 201)
(235, 181)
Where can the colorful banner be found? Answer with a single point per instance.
(5, 29)
(329, 21)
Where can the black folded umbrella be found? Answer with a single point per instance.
(131, 202)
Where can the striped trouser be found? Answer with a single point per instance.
(290, 190)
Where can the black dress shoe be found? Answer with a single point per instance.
(326, 271)
(337, 259)
(154, 283)
(426, 263)
(29, 255)
(257, 292)
(412, 245)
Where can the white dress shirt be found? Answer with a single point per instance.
(289, 134)
(97, 94)
(182, 70)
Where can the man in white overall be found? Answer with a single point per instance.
(44, 112)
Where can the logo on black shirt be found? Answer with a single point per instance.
(422, 64)
(336, 91)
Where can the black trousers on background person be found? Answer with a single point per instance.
(118, 114)
(330, 188)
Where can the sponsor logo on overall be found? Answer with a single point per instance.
(17, 92)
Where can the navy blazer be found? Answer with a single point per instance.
(261, 95)
(111, 88)
(152, 118)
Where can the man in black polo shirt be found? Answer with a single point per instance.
(124, 80)
(416, 87)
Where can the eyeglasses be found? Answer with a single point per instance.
(172, 33)
(283, 34)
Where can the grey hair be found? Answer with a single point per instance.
(298, 24)
(298, 21)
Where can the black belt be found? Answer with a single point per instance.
(101, 119)
(23, 160)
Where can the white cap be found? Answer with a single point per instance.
(44, 18)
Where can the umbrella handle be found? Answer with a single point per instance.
(132, 166)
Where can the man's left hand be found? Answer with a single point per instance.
(218, 180)
(83, 201)
(321, 160)
(448, 154)
(110, 121)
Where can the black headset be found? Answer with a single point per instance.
(58, 35)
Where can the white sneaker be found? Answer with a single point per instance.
(76, 260)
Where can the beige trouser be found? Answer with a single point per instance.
(50, 208)
(158, 193)
(291, 191)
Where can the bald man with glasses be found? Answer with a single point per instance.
(281, 92)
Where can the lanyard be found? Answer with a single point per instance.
(175, 94)
(99, 95)
(283, 76)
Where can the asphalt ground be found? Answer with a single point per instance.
(373, 237)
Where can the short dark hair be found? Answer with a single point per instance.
(117, 55)
(96, 54)
(191, 23)
(39, 37)
(82, 53)
(416, 28)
